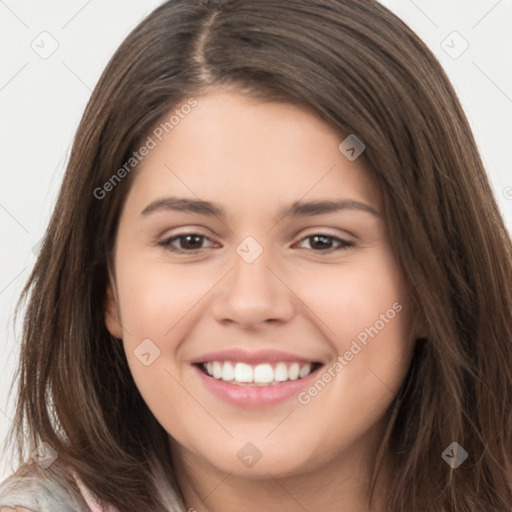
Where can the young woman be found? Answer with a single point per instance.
(276, 278)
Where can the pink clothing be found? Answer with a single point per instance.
(89, 498)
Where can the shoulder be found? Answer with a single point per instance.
(31, 490)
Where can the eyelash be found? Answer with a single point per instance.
(344, 244)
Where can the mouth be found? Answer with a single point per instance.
(257, 375)
(257, 385)
(257, 378)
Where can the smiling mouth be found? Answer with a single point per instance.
(266, 374)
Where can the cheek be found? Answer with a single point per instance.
(154, 306)
(156, 302)
(155, 296)
(365, 315)
(368, 310)
(350, 298)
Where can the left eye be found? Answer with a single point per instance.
(190, 242)
(325, 242)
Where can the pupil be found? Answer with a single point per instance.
(323, 238)
(187, 239)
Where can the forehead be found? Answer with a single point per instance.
(231, 149)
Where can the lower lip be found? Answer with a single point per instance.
(254, 396)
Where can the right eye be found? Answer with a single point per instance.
(187, 242)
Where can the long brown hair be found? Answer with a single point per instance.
(364, 72)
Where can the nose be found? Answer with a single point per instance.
(254, 294)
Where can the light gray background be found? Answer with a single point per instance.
(42, 99)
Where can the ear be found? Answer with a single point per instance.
(112, 316)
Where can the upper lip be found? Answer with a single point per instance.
(252, 357)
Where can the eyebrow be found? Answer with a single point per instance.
(296, 209)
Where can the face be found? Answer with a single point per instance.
(264, 317)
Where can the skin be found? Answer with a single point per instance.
(252, 158)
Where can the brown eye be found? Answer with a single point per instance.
(188, 242)
(327, 243)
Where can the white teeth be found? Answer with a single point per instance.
(293, 371)
(305, 370)
(243, 372)
(217, 370)
(261, 374)
(280, 372)
(228, 372)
